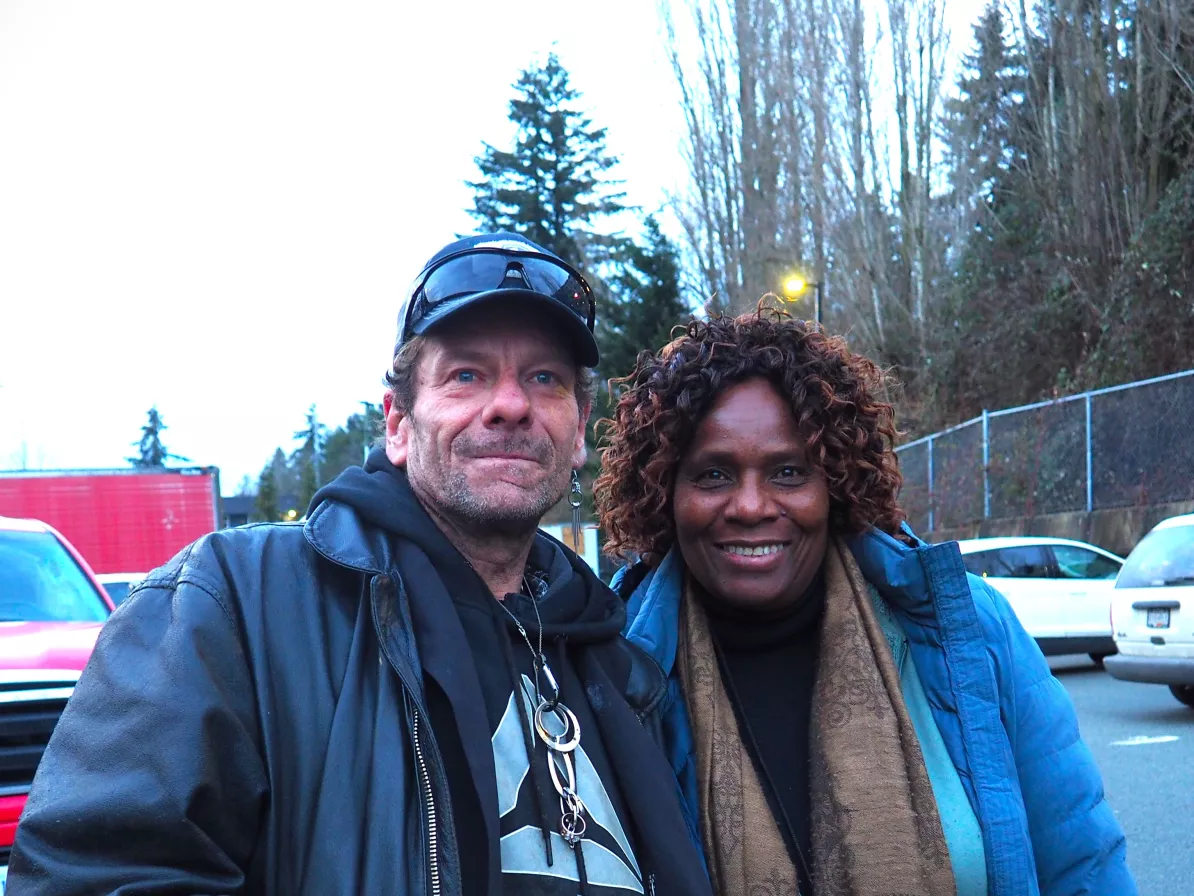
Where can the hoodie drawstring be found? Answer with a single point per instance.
(538, 783)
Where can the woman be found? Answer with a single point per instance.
(851, 714)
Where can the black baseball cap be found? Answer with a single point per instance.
(491, 267)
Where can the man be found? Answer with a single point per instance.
(413, 692)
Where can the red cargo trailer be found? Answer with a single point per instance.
(127, 520)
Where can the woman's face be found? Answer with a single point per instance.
(752, 515)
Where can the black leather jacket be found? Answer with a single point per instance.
(252, 721)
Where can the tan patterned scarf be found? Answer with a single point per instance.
(875, 827)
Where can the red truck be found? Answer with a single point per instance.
(122, 521)
(51, 611)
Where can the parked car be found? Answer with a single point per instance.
(51, 610)
(118, 585)
(1152, 611)
(1060, 589)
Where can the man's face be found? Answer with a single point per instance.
(495, 429)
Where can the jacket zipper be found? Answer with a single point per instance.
(432, 825)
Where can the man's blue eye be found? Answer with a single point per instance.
(465, 376)
(545, 378)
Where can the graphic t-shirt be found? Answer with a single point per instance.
(606, 853)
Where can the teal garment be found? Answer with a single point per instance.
(963, 834)
(1008, 725)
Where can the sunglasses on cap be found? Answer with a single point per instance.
(485, 269)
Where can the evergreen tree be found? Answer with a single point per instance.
(997, 336)
(983, 120)
(286, 484)
(285, 478)
(647, 302)
(305, 459)
(345, 445)
(150, 450)
(311, 434)
(266, 503)
(551, 187)
(275, 487)
(645, 306)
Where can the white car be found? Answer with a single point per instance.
(119, 584)
(1059, 589)
(1152, 610)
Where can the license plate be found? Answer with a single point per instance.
(1158, 618)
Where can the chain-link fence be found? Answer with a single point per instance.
(1124, 446)
(956, 489)
(914, 464)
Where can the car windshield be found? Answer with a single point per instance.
(41, 582)
(1164, 557)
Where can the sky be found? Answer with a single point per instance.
(214, 207)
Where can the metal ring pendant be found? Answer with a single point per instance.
(563, 788)
(565, 742)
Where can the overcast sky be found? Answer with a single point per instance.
(214, 207)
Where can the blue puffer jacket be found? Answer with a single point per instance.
(1007, 723)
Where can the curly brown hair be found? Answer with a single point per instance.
(834, 393)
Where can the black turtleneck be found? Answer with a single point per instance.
(769, 664)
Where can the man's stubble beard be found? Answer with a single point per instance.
(479, 514)
(451, 495)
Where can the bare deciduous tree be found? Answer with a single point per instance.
(743, 97)
(817, 138)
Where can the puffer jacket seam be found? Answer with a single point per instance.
(1037, 683)
(1041, 757)
(1077, 814)
(1097, 866)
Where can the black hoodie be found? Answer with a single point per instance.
(505, 810)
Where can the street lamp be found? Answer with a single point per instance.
(796, 284)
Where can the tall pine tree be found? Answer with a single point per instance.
(552, 186)
(647, 306)
(306, 459)
(150, 450)
(986, 117)
(998, 336)
(647, 302)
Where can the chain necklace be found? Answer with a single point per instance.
(560, 746)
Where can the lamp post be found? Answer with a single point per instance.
(796, 284)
